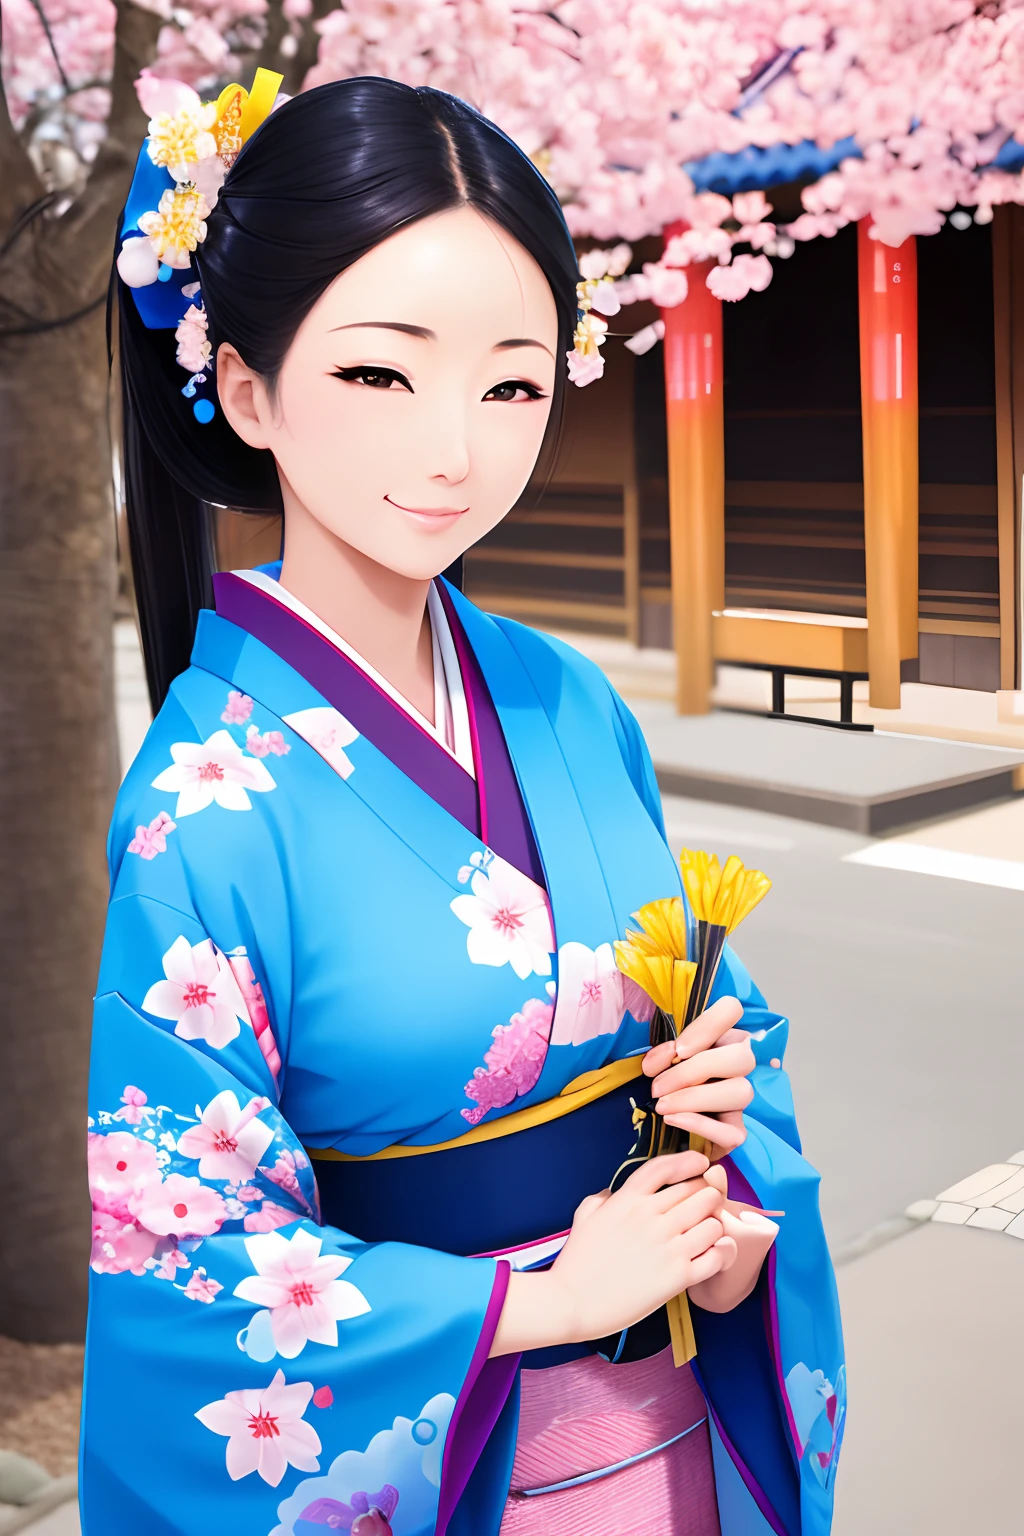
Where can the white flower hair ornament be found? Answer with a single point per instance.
(191, 146)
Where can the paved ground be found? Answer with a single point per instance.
(907, 1060)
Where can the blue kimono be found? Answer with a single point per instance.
(329, 1013)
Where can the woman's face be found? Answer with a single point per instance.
(411, 405)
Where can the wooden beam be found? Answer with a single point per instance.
(888, 379)
(696, 481)
(1008, 317)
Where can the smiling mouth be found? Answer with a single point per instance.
(437, 513)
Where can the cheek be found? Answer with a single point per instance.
(508, 440)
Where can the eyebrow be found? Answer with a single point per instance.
(427, 335)
(389, 325)
(522, 341)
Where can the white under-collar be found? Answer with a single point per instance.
(450, 728)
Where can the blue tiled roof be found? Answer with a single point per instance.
(751, 168)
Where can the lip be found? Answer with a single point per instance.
(430, 517)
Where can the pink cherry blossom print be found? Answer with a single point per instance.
(269, 742)
(170, 1263)
(134, 1111)
(269, 1217)
(590, 996)
(180, 1205)
(120, 1246)
(508, 920)
(151, 840)
(228, 1141)
(285, 1174)
(256, 1006)
(323, 1397)
(266, 1430)
(513, 1063)
(302, 1289)
(119, 1164)
(238, 708)
(200, 1287)
(327, 732)
(200, 994)
(217, 771)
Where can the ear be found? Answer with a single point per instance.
(243, 397)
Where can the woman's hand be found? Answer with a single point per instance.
(704, 1074)
(626, 1255)
(753, 1233)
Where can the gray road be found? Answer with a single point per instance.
(904, 994)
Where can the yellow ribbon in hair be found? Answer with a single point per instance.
(240, 112)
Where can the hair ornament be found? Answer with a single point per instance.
(191, 146)
(596, 297)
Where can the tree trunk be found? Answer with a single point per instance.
(58, 749)
(58, 775)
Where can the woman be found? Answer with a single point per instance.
(363, 1065)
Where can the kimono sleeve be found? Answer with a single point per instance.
(249, 1370)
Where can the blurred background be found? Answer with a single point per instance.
(786, 522)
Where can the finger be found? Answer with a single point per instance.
(734, 1093)
(699, 1238)
(588, 1206)
(665, 1199)
(705, 1265)
(698, 1208)
(709, 1027)
(676, 1194)
(723, 1134)
(718, 1179)
(659, 1057)
(671, 1169)
(721, 1061)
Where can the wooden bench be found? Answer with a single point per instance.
(786, 643)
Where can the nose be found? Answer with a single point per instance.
(447, 444)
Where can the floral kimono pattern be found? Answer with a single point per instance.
(305, 952)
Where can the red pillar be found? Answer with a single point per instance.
(888, 376)
(696, 481)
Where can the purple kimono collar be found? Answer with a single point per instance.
(491, 808)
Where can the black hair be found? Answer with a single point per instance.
(328, 176)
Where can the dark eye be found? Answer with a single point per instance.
(514, 390)
(373, 378)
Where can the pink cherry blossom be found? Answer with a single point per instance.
(170, 1262)
(151, 840)
(266, 1430)
(200, 1287)
(301, 1288)
(194, 352)
(285, 1174)
(199, 993)
(239, 705)
(744, 274)
(228, 1141)
(269, 1217)
(120, 1246)
(180, 1205)
(270, 741)
(134, 1111)
(513, 1063)
(589, 997)
(584, 370)
(217, 771)
(119, 1164)
(508, 919)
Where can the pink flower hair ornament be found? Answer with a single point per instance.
(182, 163)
